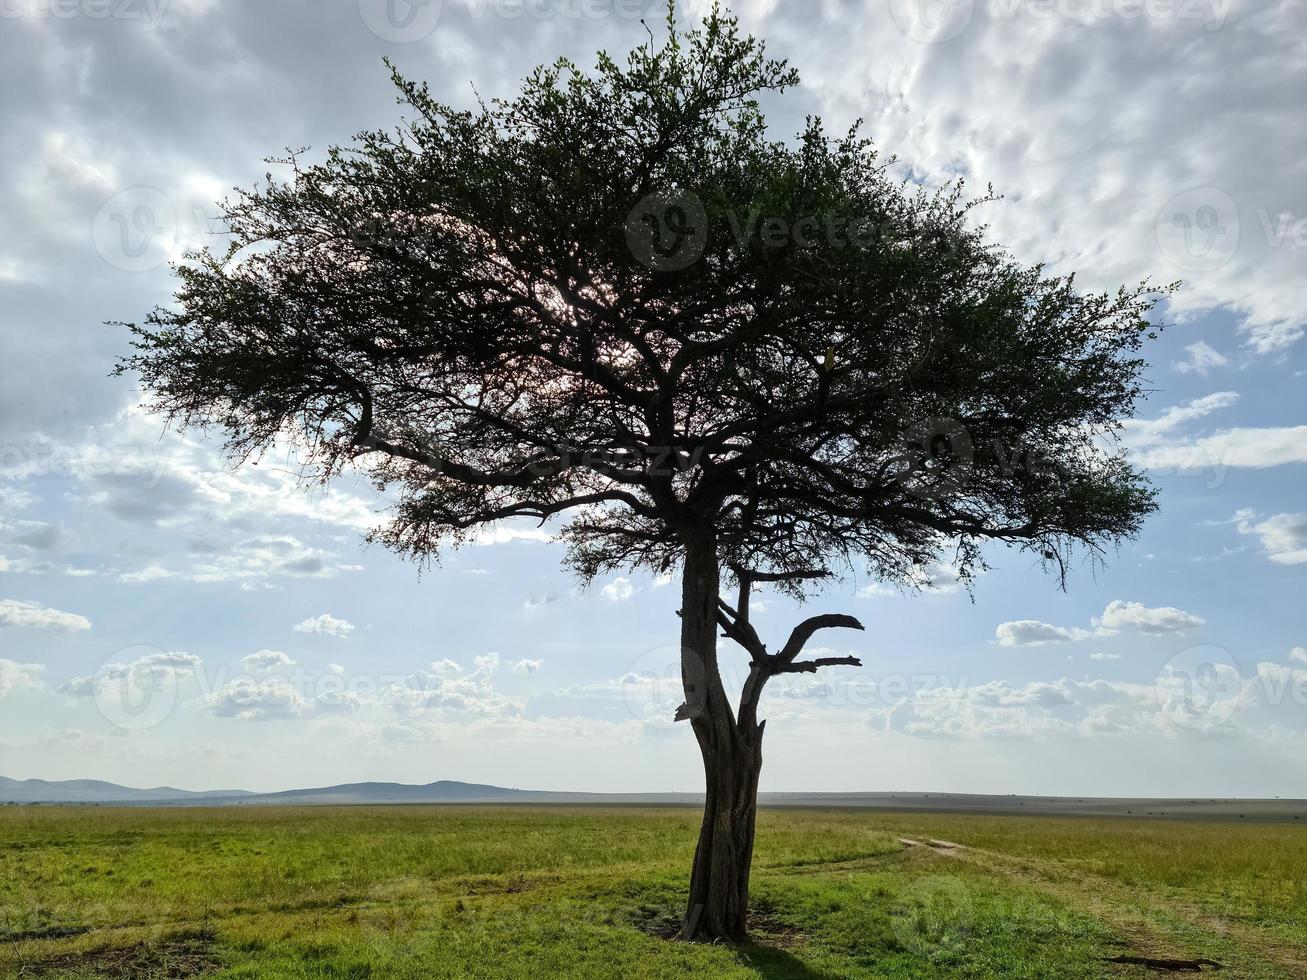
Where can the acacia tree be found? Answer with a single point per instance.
(613, 300)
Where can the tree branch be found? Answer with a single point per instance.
(810, 666)
(804, 631)
(740, 630)
(800, 573)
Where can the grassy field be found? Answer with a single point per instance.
(591, 892)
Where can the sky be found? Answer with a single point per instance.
(166, 618)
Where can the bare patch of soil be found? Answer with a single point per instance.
(173, 958)
(765, 928)
(1164, 965)
(768, 930)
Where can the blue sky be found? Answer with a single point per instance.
(278, 650)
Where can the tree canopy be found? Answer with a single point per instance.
(847, 372)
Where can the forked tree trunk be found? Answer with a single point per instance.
(719, 883)
(732, 759)
(731, 748)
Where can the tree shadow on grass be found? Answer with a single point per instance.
(768, 950)
(780, 964)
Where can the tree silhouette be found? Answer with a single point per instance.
(613, 300)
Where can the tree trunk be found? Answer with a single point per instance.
(719, 883)
(732, 759)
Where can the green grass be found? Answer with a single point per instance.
(588, 892)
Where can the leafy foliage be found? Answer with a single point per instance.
(844, 371)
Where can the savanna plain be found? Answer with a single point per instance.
(509, 891)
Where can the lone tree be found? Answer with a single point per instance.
(613, 300)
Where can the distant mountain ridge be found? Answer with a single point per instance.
(97, 792)
(442, 791)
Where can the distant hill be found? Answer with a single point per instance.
(91, 791)
(444, 791)
(96, 791)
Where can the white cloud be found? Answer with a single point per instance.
(150, 573)
(534, 603)
(506, 534)
(205, 520)
(941, 578)
(1299, 654)
(32, 615)
(1283, 536)
(1156, 443)
(269, 556)
(1032, 633)
(1174, 704)
(1242, 448)
(275, 698)
(1155, 622)
(998, 709)
(131, 468)
(1148, 432)
(1036, 694)
(255, 700)
(1167, 189)
(1202, 358)
(35, 564)
(267, 661)
(876, 589)
(409, 732)
(527, 666)
(469, 696)
(1105, 656)
(1116, 617)
(326, 624)
(15, 675)
(39, 535)
(13, 499)
(151, 669)
(618, 590)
